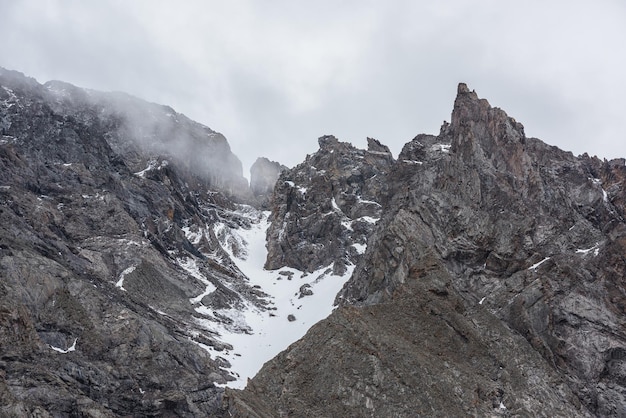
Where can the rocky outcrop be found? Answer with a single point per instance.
(263, 176)
(111, 268)
(492, 285)
(488, 268)
(136, 131)
(422, 353)
(324, 209)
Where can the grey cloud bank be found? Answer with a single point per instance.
(274, 76)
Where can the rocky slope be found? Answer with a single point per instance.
(488, 269)
(492, 285)
(116, 284)
(324, 209)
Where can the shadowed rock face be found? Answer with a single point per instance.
(263, 176)
(98, 196)
(324, 209)
(494, 279)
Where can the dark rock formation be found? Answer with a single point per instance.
(488, 280)
(493, 285)
(263, 176)
(107, 207)
(324, 209)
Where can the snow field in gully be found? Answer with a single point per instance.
(270, 330)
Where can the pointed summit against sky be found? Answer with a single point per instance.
(462, 88)
(270, 77)
(491, 263)
(480, 131)
(467, 106)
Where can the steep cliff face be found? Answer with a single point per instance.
(493, 284)
(136, 131)
(324, 209)
(114, 279)
(263, 176)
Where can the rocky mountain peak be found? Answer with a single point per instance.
(136, 131)
(486, 269)
(504, 257)
(486, 135)
(324, 209)
(462, 88)
(327, 141)
(116, 255)
(263, 176)
(374, 145)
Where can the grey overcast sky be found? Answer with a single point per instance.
(274, 75)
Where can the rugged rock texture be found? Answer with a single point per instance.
(324, 209)
(492, 285)
(263, 176)
(420, 354)
(107, 247)
(489, 276)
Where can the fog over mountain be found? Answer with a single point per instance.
(273, 77)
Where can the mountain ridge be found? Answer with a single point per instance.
(483, 291)
(116, 289)
(484, 270)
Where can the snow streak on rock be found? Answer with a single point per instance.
(62, 351)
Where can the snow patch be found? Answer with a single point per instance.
(370, 202)
(120, 281)
(347, 223)
(191, 267)
(598, 182)
(595, 249)
(193, 237)
(445, 148)
(60, 350)
(367, 219)
(12, 95)
(360, 248)
(335, 205)
(257, 335)
(534, 266)
(6, 139)
(152, 165)
(301, 189)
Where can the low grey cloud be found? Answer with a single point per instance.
(273, 76)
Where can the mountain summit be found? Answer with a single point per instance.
(479, 273)
(492, 285)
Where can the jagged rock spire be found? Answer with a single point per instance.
(486, 134)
